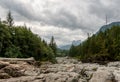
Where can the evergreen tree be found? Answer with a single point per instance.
(53, 45)
(19, 41)
(10, 21)
(104, 46)
(72, 51)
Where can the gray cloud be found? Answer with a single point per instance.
(18, 7)
(60, 17)
(102, 8)
(74, 15)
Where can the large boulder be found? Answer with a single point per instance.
(13, 71)
(59, 77)
(32, 71)
(3, 64)
(103, 75)
(116, 74)
(4, 76)
(113, 64)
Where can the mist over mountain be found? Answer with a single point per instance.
(67, 47)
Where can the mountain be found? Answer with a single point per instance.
(76, 42)
(105, 27)
(100, 48)
(67, 47)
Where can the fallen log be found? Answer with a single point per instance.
(17, 59)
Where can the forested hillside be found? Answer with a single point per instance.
(19, 41)
(104, 46)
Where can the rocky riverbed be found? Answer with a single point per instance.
(66, 70)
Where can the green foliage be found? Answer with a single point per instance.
(13, 52)
(19, 41)
(104, 46)
(53, 45)
(9, 19)
(62, 53)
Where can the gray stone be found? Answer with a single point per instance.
(102, 76)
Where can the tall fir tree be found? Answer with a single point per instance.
(10, 21)
(104, 46)
(53, 45)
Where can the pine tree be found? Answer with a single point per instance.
(104, 46)
(10, 21)
(53, 45)
(72, 51)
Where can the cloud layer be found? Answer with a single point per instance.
(67, 20)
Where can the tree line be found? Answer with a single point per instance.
(104, 46)
(19, 41)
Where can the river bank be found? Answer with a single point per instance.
(65, 70)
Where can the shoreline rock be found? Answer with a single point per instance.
(66, 70)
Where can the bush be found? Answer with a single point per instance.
(13, 52)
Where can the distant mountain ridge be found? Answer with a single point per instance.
(67, 47)
(108, 26)
(101, 47)
(76, 42)
(103, 28)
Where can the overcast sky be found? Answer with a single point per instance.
(66, 20)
